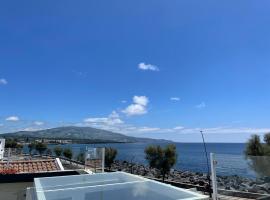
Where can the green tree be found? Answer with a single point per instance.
(254, 146)
(260, 164)
(58, 151)
(110, 155)
(68, 153)
(267, 138)
(81, 157)
(31, 147)
(49, 152)
(11, 143)
(19, 148)
(160, 158)
(41, 148)
(258, 154)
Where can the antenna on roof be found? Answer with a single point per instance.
(208, 168)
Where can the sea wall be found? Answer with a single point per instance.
(228, 183)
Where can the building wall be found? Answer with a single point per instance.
(2, 148)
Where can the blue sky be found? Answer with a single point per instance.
(161, 69)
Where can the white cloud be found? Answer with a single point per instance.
(178, 128)
(3, 81)
(12, 118)
(38, 123)
(201, 105)
(150, 67)
(175, 99)
(135, 109)
(123, 101)
(112, 119)
(221, 130)
(138, 107)
(147, 129)
(31, 129)
(141, 100)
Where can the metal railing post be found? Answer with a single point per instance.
(103, 159)
(213, 175)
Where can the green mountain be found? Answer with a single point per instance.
(79, 134)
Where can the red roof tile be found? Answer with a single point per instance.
(32, 166)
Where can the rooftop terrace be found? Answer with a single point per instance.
(106, 186)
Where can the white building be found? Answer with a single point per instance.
(2, 148)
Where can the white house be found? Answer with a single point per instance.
(2, 148)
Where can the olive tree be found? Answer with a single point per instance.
(254, 146)
(258, 153)
(41, 148)
(267, 138)
(68, 153)
(58, 151)
(31, 147)
(81, 157)
(110, 155)
(160, 158)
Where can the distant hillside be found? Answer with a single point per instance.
(79, 133)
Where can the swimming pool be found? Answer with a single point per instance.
(108, 186)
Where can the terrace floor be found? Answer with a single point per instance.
(14, 191)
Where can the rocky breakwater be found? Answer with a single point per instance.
(259, 185)
(235, 183)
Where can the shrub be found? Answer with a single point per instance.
(58, 151)
(110, 155)
(68, 153)
(160, 158)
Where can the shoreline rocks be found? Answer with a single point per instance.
(237, 183)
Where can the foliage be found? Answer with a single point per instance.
(58, 151)
(110, 155)
(31, 147)
(258, 154)
(260, 164)
(49, 152)
(254, 146)
(12, 143)
(160, 158)
(267, 138)
(41, 147)
(19, 148)
(68, 153)
(81, 157)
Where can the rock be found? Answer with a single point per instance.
(197, 178)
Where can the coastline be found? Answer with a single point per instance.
(232, 183)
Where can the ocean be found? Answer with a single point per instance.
(191, 156)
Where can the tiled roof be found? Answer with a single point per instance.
(30, 166)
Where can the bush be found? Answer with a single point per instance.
(68, 153)
(58, 151)
(81, 157)
(254, 146)
(160, 158)
(41, 147)
(267, 138)
(11, 143)
(31, 147)
(259, 154)
(110, 155)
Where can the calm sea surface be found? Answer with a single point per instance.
(191, 156)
